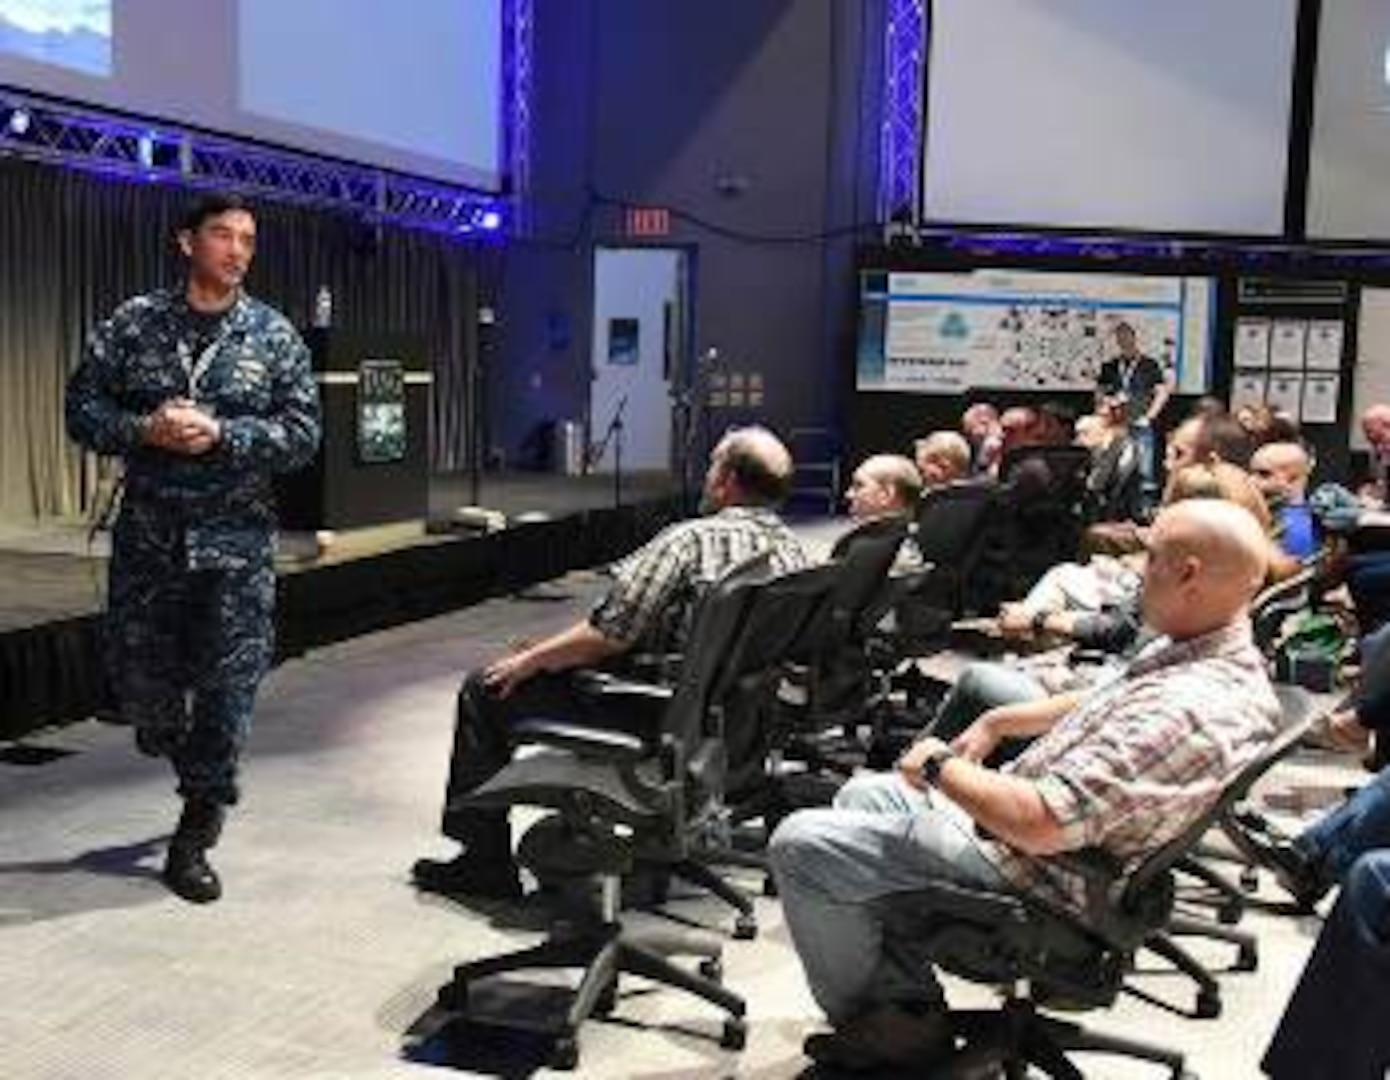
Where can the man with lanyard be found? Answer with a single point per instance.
(1142, 387)
(204, 393)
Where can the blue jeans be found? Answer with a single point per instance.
(1359, 825)
(1146, 442)
(837, 868)
(981, 687)
(1334, 1025)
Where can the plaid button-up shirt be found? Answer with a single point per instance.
(1144, 756)
(655, 588)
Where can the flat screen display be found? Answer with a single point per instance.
(409, 85)
(948, 332)
(1160, 115)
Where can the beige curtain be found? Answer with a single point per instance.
(73, 246)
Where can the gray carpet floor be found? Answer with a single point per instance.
(322, 961)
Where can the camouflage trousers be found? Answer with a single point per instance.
(186, 650)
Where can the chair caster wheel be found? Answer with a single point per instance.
(745, 928)
(1247, 959)
(1250, 879)
(1208, 1006)
(1229, 913)
(769, 886)
(712, 968)
(564, 1055)
(735, 1034)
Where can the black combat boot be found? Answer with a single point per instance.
(187, 871)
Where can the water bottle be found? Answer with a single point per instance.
(323, 308)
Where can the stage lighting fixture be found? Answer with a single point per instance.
(491, 220)
(19, 121)
(144, 150)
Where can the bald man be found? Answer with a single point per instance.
(1125, 768)
(647, 609)
(883, 485)
(1375, 425)
(1281, 471)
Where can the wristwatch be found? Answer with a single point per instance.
(931, 767)
(1039, 623)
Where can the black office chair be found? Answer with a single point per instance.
(1047, 492)
(952, 527)
(1042, 956)
(622, 801)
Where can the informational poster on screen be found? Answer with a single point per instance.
(381, 424)
(945, 333)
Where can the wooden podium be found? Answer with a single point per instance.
(372, 467)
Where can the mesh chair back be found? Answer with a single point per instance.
(1297, 715)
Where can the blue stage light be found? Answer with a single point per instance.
(19, 121)
(490, 221)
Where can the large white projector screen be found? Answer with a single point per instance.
(1349, 169)
(1162, 115)
(409, 85)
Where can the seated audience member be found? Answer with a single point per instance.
(943, 459)
(647, 609)
(1375, 425)
(1319, 857)
(1334, 1026)
(1201, 439)
(1094, 605)
(1265, 425)
(1124, 769)
(1114, 486)
(1281, 470)
(1205, 438)
(980, 424)
(1019, 426)
(884, 485)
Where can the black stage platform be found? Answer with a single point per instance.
(50, 600)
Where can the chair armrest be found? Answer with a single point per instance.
(595, 744)
(599, 684)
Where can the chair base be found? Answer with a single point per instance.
(604, 953)
(1017, 1036)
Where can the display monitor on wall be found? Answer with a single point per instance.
(413, 87)
(1162, 115)
(1349, 164)
(948, 332)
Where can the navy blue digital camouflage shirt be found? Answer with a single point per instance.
(250, 368)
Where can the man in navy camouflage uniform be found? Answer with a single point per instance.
(205, 393)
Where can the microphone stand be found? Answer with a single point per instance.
(614, 433)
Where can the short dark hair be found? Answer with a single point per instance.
(1222, 436)
(209, 206)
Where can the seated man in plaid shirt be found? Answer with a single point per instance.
(647, 610)
(1124, 768)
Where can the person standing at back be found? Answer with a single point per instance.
(1143, 387)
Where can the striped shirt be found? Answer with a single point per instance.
(650, 604)
(1143, 757)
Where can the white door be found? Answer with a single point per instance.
(636, 315)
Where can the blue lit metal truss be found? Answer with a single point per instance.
(900, 134)
(520, 38)
(89, 140)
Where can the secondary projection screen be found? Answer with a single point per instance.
(942, 332)
(410, 86)
(1349, 169)
(1164, 115)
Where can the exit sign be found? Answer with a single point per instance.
(648, 221)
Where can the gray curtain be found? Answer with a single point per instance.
(73, 246)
